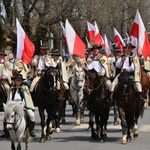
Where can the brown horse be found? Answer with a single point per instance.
(45, 97)
(145, 84)
(3, 95)
(129, 106)
(96, 94)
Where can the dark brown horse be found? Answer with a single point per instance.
(45, 97)
(96, 95)
(3, 95)
(145, 84)
(129, 106)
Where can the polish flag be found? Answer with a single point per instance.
(118, 40)
(106, 45)
(91, 31)
(139, 31)
(75, 44)
(25, 48)
(98, 38)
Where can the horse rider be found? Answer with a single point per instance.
(3, 78)
(14, 63)
(132, 66)
(58, 60)
(100, 63)
(119, 58)
(20, 92)
(38, 66)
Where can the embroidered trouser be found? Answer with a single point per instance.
(31, 114)
(114, 83)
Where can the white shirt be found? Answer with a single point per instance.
(119, 63)
(41, 64)
(127, 67)
(17, 97)
(95, 64)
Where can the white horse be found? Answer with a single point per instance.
(16, 124)
(76, 91)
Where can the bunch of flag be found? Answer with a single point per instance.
(75, 45)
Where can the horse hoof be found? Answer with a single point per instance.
(89, 128)
(42, 140)
(135, 135)
(63, 120)
(129, 139)
(57, 130)
(102, 140)
(124, 141)
(77, 122)
(82, 120)
(48, 137)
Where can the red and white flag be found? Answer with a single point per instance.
(98, 39)
(106, 45)
(25, 48)
(91, 31)
(139, 31)
(75, 44)
(118, 40)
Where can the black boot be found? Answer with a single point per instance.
(142, 100)
(32, 132)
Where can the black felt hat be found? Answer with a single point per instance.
(18, 76)
(96, 47)
(129, 45)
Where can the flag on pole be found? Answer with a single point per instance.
(75, 44)
(98, 39)
(91, 31)
(88, 44)
(118, 40)
(64, 30)
(25, 48)
(138, 31)
(106, 45)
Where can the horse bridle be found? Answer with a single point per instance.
(12, 123)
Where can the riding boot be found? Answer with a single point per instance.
(142, 100)
(5, 132)
(32, 125)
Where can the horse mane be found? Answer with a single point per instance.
(14, 106)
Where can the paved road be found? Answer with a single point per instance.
(78, 138)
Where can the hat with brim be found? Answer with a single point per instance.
(18, 76)
(43, 47)
(116, 49)
(129, 45)
(54, 52)
(2, 53)
(96, 47)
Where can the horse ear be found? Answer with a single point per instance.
(4, 105)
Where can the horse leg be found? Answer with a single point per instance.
(19, 146)
(48, 120)
(12, 145)
(42, 116)
(149, 96)
(91, 118)
(77, 122)
(82, 112)
(116, 116)
(57, 123)
(123, 125)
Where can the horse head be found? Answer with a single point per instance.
(79, 75)
(91, 80)
(12, 112)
